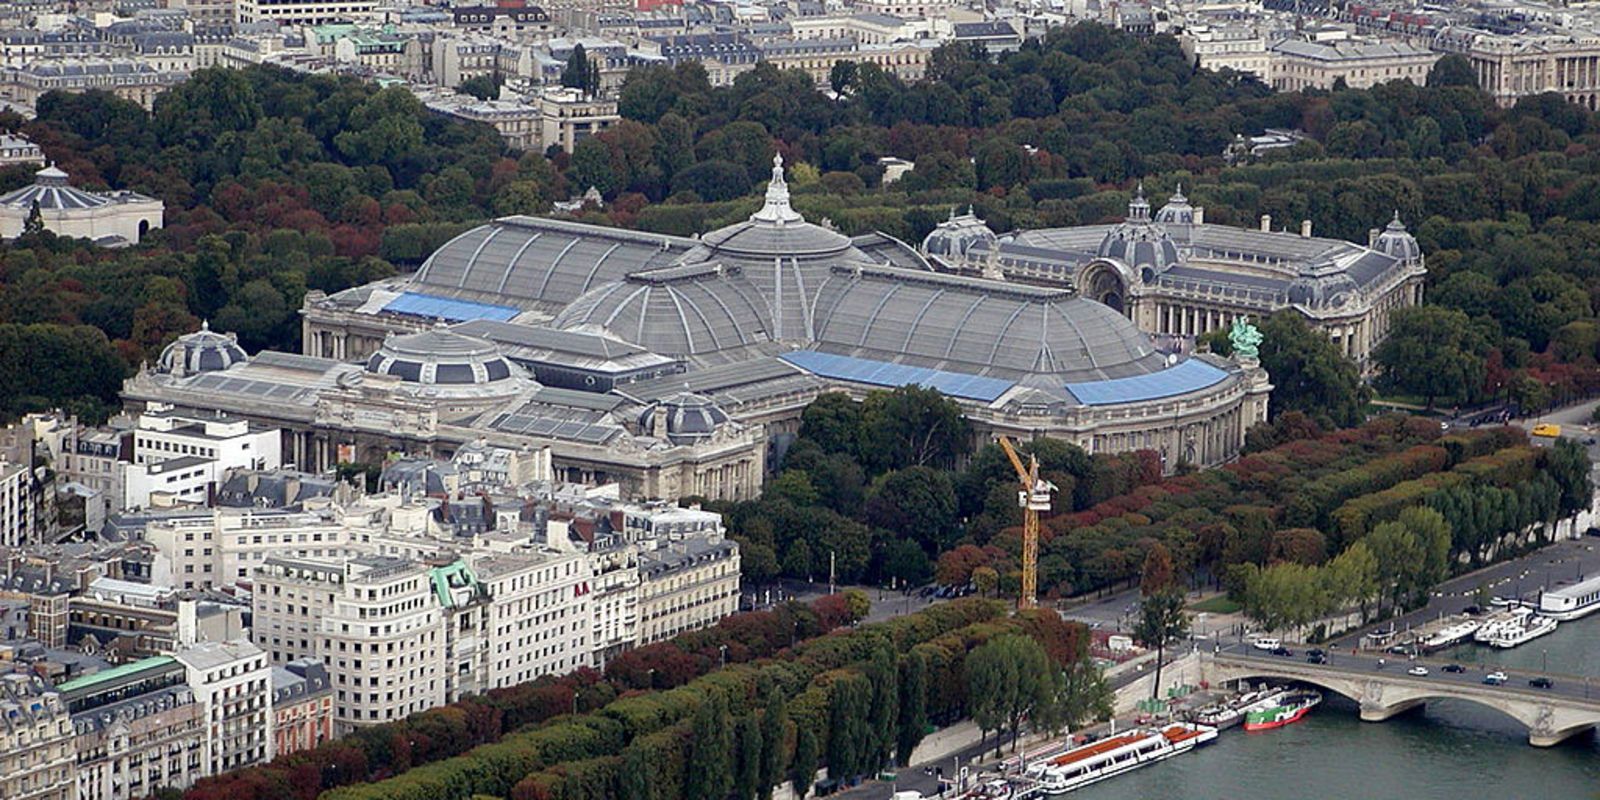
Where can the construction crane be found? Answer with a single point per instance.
(1033, 497)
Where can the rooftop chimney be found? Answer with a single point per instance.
(1266, 223)
(1305, 229)
(1199, 215)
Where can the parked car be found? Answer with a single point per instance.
(1418, 670)
(1541, 682)
(1457, 668)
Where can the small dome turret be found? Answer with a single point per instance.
(1177, 211)
(1396, 241)
(201, 351)
(956, 238)
(684, 418)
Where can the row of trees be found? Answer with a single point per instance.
(847, 702)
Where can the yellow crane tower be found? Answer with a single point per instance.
(1033, 497)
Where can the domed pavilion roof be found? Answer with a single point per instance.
(202, 351)
(441, 357)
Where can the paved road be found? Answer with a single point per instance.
(1557, 565)
(1366, 663)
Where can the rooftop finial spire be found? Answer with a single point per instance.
(777, 207)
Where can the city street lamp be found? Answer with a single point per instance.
(724, 649)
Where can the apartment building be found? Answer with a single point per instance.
(18, 505)
(221, 546)
(179, 457)
(137, 728)
(36, 749)
(232, 681)
(538, 615)
(18, 149)
(302, 12)
(1512, 66)
(373, 620)
(302, 706)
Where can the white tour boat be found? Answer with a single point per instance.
(1094, 762)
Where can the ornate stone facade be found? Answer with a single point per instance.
(1178, 277)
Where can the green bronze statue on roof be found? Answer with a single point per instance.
(1244, 337)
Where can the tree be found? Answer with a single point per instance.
(883, 673)
(637, 775)
(577, 74)
(842, 77)
(1161, 616)
(1308, 372)
(805, 761)
(918, 503)
(850, 742)
(708, 771)
(483, 87)
(1452, 70)
(833, 422)
(913, 706)
(1433, 353)
(1011, 678)
(713, 180)
(748, 758)
(774, 744)
(591, 166)
(913, 426)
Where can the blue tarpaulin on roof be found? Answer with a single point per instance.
(418, 304)
(883, 373)
(1188, 376)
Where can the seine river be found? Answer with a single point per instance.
(1449, 751)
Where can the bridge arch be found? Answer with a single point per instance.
(1382, 695)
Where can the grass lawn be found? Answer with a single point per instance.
(1217, 605)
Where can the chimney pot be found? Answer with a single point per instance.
(1305, 229)
(1266, 223)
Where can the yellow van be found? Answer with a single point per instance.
(1547, 429)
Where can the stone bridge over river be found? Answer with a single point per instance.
(1551, 715)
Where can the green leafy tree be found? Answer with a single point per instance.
(709, 768)
(1308, 372)
(913, 426)
(842, 77)
(774, 743)
(1433, 353)
(913, 723)
(1010, 678)
(747, 758)
(1161, 615)
(884, 674)
(806, 756)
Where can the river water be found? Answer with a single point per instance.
(1451, 750)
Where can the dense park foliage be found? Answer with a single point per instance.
(854, 700)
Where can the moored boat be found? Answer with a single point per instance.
(1496, 623)
(1125, 752)
(1223, 716)
(1524, 630)
(1294, 706)
(1451, 635)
